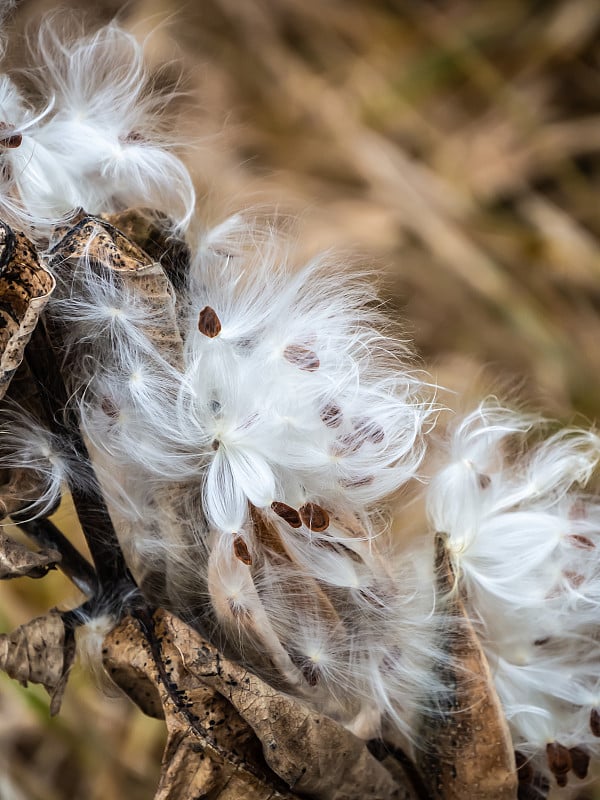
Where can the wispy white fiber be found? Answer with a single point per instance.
(99, 141)
(524, 537)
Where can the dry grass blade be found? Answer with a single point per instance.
(25, 287)
(41, 651)
(17, 561)
(470, 752)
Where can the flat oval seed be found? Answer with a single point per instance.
(241, 552)
(559, 761)
(314, 517)
(331, 414)
(11, 142)
(209, 323)
(524, 768)
(302, 357)
(580, 760)
(582, 542)
(289, 514)
(595, 722)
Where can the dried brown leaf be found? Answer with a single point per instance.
(210, 750)
(469, 749)
(106, 246)
(41, 651)
(17, 561)
(25, 287)
(230, 734)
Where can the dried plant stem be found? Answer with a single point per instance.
(73, 564)
(89, 503)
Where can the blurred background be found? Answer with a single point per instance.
(453, 147)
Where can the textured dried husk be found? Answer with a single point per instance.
(25, 287)
(41, 651)
(255, 739)
(470, 752)
(17, 561)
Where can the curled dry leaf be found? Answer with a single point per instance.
(25, 287)
(41, 651)
(17, 561)
(257, 742)
(106, 246)
(469, 752)
(210, 750)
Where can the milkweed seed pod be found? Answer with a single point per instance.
(523, 533)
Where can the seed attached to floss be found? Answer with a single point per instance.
(209, 323)
(287, 513)
(582, 542)
(302, 357)
(559, 762)
(483, 480)
(314, 517)
(241, 552)
(12, 141)
(580, 760)
(595, 722)
(331, 414)
(109, 408)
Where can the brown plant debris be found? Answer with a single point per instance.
(469, 750)
(25, 287)
(41, 651)
(230, 734)
(106, 247)
(17, 561)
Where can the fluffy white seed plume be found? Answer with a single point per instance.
(99, 141)
(252, 471)
(524, 538)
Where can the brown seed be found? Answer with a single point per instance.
(289, 514)
(355, 483)
(331, 414)
(595, 721)
(339, 548)
(209, 323)
(314, 517)
(582, 542)
(580, 760)
(483, 480)
(302, 357)
(109, 408)
(241, 552)
(524, 768)
(574, 578)
(559, 761)
(11, 142)
(542, 642)
(308, 668)
(368, 430)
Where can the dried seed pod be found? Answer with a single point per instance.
(559, 762)
(595, 721)
(289, 514)
(241, 552)
(331, 414)
(314, 517)
(580, 760)
(209, 323)
(302, 357)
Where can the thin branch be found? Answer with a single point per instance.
(89, 504)
(77, 568)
